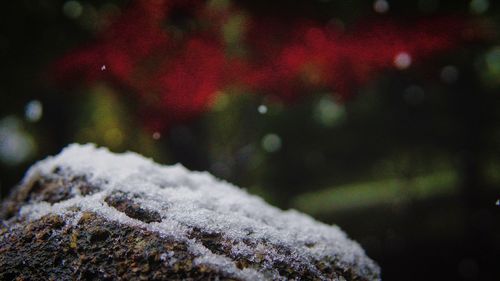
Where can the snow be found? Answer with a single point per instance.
(33, 111)
(402, 60)
(262, 109)
(381, 6)
(271, 142)
(16, 144)
(187, 200)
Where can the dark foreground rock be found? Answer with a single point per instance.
(88, 214)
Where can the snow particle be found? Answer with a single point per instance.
(33, 111)
(327, 112)
(498, 202)
(271, 143)
(262, 109)
(492, 59)
(103, 67)
(479, 6)
(449, 74)
(381, 6)
(72, 9)
(156, 135)
(16, 146)
(402, 60)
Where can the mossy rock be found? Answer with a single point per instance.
(88, 214)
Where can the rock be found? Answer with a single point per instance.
(91, 214)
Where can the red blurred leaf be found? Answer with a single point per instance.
(176, 77)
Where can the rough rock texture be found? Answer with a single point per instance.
(89, 214)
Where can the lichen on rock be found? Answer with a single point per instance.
(90, 214)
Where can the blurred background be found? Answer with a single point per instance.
(379, 116)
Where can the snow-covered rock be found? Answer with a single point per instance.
(88, 213)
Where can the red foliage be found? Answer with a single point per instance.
(186, 84)
(177, 77)
(308, 55)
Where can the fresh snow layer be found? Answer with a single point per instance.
(187, 200)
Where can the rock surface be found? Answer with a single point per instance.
(89, 214)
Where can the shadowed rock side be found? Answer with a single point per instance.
(67, 221)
